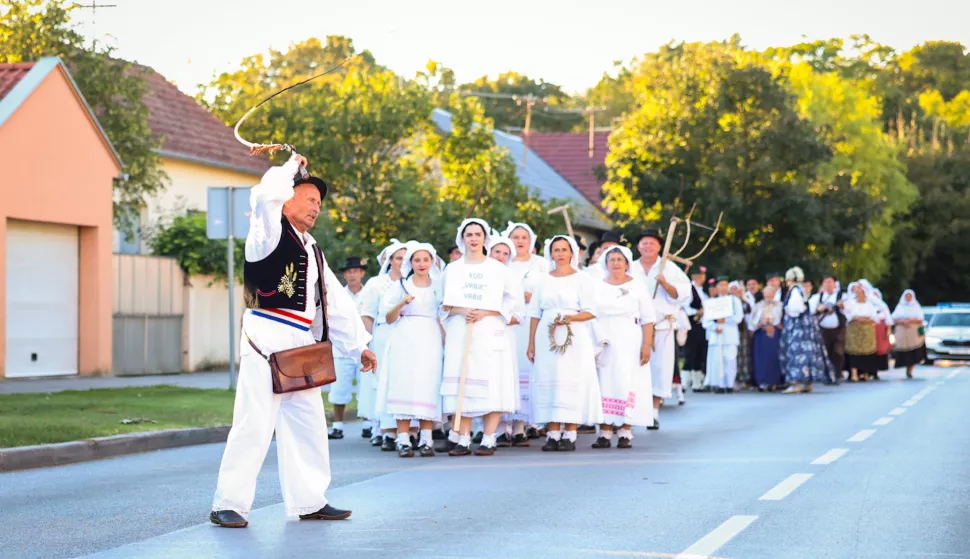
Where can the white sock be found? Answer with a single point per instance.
(338, 425)
(375, 425)
(425, 437)
(403, 439)
(453, 436)
(625, 433)
(489, 440)
(570, 436)
(656, 414)
(680, 392)
(465, 441)
(554, 435)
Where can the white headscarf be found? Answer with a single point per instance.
(908, 310)
(512, 226)
(502, 239)
(547, 251)
(460, 243)
(414, 247)
(385, 257)
(795, 274)
(622, 250)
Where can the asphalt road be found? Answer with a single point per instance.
(876, 470)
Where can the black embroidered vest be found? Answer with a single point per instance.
(279, 281)
(696, 302)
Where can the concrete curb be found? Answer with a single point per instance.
(59, 454)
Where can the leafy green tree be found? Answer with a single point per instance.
(185, 239)
(31, 29)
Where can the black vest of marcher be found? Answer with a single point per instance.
(279, 281)
(695, 302)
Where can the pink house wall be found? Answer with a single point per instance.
(57, 168)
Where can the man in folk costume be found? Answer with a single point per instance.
(826, 306)
(695, 350)
(284, 284)
(723, 339)
(670, 289)
(341, 392)
(774, 280)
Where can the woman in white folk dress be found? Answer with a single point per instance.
(624, 311)
(490, 377)
(527, 269)
(376, 323)
(410, 383)
(565, 392)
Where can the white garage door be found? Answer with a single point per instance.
(42, 299)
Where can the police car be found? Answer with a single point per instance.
(948, 332)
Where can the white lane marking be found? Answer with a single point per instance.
(706, 546)
(939, 383)
(953, 374)
(785, 488)
(830, 456)
(861, 436)
(883, 421)
(909, 403)
(898, 411)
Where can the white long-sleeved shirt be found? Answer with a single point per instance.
(347, 333)
(700, 292)
(831, 300)
(796, 302)
(729, 334)
(770, 310)
(665, 305)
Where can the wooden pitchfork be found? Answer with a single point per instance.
(676, 256)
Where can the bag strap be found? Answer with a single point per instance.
(322, 291)
(261, 354)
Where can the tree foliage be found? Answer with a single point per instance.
(32, 29)
(185, 240)
(509, 114)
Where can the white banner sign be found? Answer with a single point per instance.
(719, 307)
(474, 287)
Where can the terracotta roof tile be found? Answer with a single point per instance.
(11, 74)
(188, 129)
(568, 154)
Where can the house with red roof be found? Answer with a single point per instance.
(576, 159)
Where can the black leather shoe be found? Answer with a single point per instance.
(550, 446)
(405, 451)
(375, 441)
(460, 451)
(586, 429)
(567, 445)
(485, 451)
(337, 434)
(477, 439)
(366, 433)
(624, 443)
(326, 513)
(438, 435)
(388, 445)
(425, 451)
(446, 446)
(655, 426)
(532, 433)
(520, 440)
(227, 519)
(503, 441)
(602, 442)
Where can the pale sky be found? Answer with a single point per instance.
(567, 42)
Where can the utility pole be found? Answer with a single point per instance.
(529, 101)
(94, 17)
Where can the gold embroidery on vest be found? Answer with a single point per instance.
(287, 282)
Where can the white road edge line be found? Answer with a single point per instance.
(706, 546)
(786, 487)
(909, 403)
(861, 436)
(898, 411)
(953, 374)
(830, 456)
(883, 421)
(940, 383)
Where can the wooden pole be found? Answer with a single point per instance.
(565, 214)
(529, 101)
(456, 424)
(591, 126)
(666, 253)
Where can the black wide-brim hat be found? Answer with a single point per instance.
(653, 233)
(354, 262)
(321, 184)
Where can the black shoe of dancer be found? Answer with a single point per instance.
(425, 451)
(227, 519)
(503, 441)
(586, 429)
(405, 450)
(366, 433)
(602, 442)
(388, 445)
(376, 440)
(655, 426)
(520, 440)
(566, 445)
(624, 443)
(446, 446)
(438, 435)
(459, 450)
(337, 434)
(326, 513)
(485, 451)
(477, 439)
(550, 446)
(532, 433)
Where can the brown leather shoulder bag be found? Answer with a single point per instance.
(309, 366)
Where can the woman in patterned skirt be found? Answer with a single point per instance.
(910, 336)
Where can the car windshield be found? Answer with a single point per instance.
(952, 319)
(928, 317)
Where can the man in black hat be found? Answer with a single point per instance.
(342, 391)
(670, 290)
(774, 280)
(286, 278)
